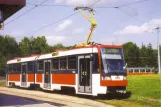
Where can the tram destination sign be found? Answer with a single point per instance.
(55, 54)
(111, 50)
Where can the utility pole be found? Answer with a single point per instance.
(158, 50)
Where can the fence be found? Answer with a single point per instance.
(140, 70)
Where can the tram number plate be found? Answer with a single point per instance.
(117, 77)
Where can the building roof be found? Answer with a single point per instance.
(10, 7)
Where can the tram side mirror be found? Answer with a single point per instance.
(91, 58)
(125, 66)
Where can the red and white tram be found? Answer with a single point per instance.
(90, 70)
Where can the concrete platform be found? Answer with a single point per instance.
(70, 101)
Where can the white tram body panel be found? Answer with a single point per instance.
(85, 76)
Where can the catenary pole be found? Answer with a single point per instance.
(158, 50)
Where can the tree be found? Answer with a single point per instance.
(143, 56)
(131, 54)
(9, 49)
(152, 58)
(39, 45)
(3, 62)
(25, 46)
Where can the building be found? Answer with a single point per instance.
(140, 70)
(10, 7)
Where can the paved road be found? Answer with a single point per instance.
(14, 101)
(42, 98)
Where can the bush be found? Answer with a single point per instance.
(2, 72)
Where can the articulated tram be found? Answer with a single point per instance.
(90, 70)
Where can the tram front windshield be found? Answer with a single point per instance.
(112, 60)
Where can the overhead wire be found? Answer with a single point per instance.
(130, 15)
(94, 7)
(54, 22)
(116, 7)
(50, 5)
(61, 19)
(42, 4)
(26, 12)
(125, 4)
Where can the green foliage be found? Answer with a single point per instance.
(24, 46)
(8, 49)
(134, 56)
(140, 57)
(131, 54)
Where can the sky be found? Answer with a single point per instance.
(135, 23)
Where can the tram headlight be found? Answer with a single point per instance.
(107, 78)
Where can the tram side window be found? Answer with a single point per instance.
(63, 63)
(10, 68)
(18, 67)
(40, 66)
(71, 62)
(95, 63)
(14, 67)
(30, 66)
(55, 64)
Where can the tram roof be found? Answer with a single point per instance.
(22, 59)
(53, 54)
(74, 51)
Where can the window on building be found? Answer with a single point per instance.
(63, 63)
(30, 66)
(55, 64)
(40, 66)
(71, 62)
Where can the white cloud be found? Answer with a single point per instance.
(17, 33)
(83, 2)
(146, 27)
(64, 25)
(78, 30)
(55, 39)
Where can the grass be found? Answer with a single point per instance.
(145, 91)
(2, 83)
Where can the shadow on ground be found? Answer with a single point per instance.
(109, 96)
(71, 92)
(11, 100)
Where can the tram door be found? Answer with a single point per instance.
(85, 74)
(24, 74)
(47, 74)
